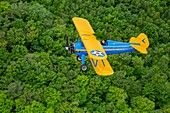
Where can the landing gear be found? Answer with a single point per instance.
(82, 59)
(83, 67)
(78, 58)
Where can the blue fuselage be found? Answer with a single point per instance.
(111, 47)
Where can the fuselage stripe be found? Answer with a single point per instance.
(104, 49)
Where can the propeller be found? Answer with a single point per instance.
(69, 46)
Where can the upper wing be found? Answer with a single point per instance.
(83, 26)
(92, 45)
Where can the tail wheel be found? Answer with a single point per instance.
(78, 58)
(83, 67)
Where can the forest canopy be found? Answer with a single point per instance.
(37, 75)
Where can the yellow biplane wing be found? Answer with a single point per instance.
(92, 45)
(102, 67)
(83, 26)
(95, 51)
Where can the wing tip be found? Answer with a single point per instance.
(106, 74)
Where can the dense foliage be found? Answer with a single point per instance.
(38, 75)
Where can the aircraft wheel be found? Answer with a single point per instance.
(78, 58)
(83, 67)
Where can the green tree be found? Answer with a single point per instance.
(5, 103)
(4, 6)
(35, 107)
(51, 97)
(116, 100)
(142, 104)
(40, 76)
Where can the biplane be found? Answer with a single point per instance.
(97, 51)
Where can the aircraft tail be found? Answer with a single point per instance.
(141, 43)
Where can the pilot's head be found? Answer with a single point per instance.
(103, 41)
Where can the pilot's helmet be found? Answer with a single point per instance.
(103, 41)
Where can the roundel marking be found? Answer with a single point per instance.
(97, 53)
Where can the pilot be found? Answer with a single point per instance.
(103, 42)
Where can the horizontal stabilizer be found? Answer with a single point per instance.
(102, 67)
(141, 43)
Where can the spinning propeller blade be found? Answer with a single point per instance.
(67, 45)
